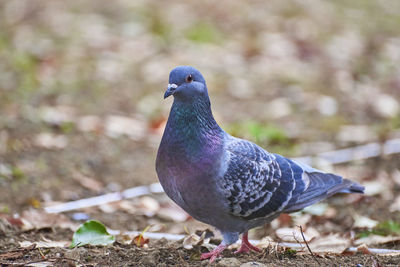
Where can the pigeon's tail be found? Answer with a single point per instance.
(353, 187)
(322, 185)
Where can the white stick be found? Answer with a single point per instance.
(107, 198)
(355, 153)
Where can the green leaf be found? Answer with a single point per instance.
(390, 227)
(92, 233)
(384, 228)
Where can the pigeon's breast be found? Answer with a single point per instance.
(190, 176)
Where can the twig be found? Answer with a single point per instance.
(309, 249)
(298, 242)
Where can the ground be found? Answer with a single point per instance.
(163, 253)
(81, 86)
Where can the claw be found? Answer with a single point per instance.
(212, 255)
(246, 246)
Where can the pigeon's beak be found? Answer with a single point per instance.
(170, 90)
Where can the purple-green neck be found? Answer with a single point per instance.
(191, 132)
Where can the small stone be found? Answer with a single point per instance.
(228, 262)
(253, 264)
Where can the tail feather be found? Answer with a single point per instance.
(322, 186)
(353, 188)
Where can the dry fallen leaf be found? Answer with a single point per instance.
(284, 219)
(318, 209)
(116, 126)
(356, 133)
(386, 105)
(266, 242)
(145, 205)
(395, 206)
(12, 220)
(139, 241)
(363, 249)
(38, 219)
(57, 115)
(195, 239)
(110, 207)
(373, 188)
(51, 141)
(89, 124)
(44, 244)
(329, 244)
(88, 182)
(300, 218)
(172, 212)
(294, 235)
(364, 222)
(191, 240)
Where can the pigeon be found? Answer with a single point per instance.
(227, 182)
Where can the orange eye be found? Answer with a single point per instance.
(189, 78)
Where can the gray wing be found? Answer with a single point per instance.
(257, 183)
(260, 184)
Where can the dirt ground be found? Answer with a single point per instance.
(159, 253)
(81, 115)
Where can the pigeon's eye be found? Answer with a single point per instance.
(189, 78)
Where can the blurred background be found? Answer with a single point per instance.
(82, 83)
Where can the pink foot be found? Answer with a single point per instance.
(212, 255)
(246, 246)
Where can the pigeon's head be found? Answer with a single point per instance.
(186, 84)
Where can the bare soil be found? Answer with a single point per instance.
(158, 253)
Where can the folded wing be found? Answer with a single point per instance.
(260, 184)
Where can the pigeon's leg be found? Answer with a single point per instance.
(212, 255)
(228, 238)
(246, 246)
